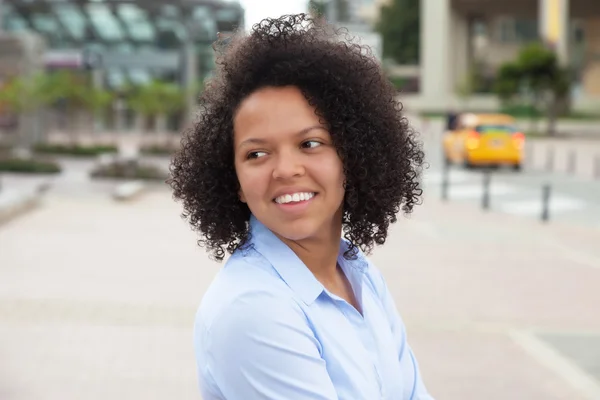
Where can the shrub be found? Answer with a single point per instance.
(74, 149)
(20, 165)
(129, 170)
(157, 149)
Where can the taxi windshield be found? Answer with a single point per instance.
(490, 128)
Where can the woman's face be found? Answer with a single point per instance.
(289, 172)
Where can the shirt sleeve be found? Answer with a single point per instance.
(262, 347)
(406, 356)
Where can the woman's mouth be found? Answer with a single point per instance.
(294, 197)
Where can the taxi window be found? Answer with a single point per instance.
(489, 128)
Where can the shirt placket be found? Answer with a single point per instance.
(366, 338)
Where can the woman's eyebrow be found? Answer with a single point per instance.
(259, 141)
(310, 128)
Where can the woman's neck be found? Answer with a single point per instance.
(320, 257)
(319, 254)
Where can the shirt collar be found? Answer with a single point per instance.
(289, 266)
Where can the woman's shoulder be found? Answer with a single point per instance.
(246, 286)
(375, 279)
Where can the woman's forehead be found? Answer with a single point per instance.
(274, 112)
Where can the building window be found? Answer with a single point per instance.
(526, 30)
(517, 30)
(505, 30)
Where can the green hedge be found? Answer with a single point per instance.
(29, 166)
(158, 150)
(129, 170)
(74, 149)
(522, 111)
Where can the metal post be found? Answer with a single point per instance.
(98, 84)
(546, 202)
(485, 200)
(550, 159)
(572, 162)
(597, 167)
(190, 70)
(445, 181)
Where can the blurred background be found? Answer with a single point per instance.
(496, 274)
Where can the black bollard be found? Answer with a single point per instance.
(485, 200)
(550, 159)
(546, 202)
(572, 162)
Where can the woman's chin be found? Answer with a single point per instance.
(296, 231)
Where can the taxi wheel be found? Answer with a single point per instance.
(467, 164)
(518, 167)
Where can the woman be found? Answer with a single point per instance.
(299, 143)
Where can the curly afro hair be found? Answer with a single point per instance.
(381, 157)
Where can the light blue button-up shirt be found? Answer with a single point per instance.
(268, 329)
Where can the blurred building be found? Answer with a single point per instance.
(130, 41)
(350, 15)
(456, 34)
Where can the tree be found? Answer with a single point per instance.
(25, 97)
(80, 101)
(30, 97)
(399, 26)
(535, 79)
(157, 100)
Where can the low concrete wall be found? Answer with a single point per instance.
(14, 203)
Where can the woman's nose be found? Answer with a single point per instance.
(288, 165)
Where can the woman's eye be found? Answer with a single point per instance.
(256, 154)
(310, 144)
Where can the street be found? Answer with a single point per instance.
(574, 196)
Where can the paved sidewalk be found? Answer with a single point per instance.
(480, 293)
(97, 301)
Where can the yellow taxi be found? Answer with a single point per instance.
(484, 140)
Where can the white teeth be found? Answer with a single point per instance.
(296, 197)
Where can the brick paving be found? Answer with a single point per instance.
(97, 300)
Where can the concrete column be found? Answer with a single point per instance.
(591, 71)
(554, 26)
(331, 12)
(436, 68)
(460, 52)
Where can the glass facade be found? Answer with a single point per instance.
(149, 32)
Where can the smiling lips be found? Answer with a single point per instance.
(294, 197)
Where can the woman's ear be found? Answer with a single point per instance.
(241, 196)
